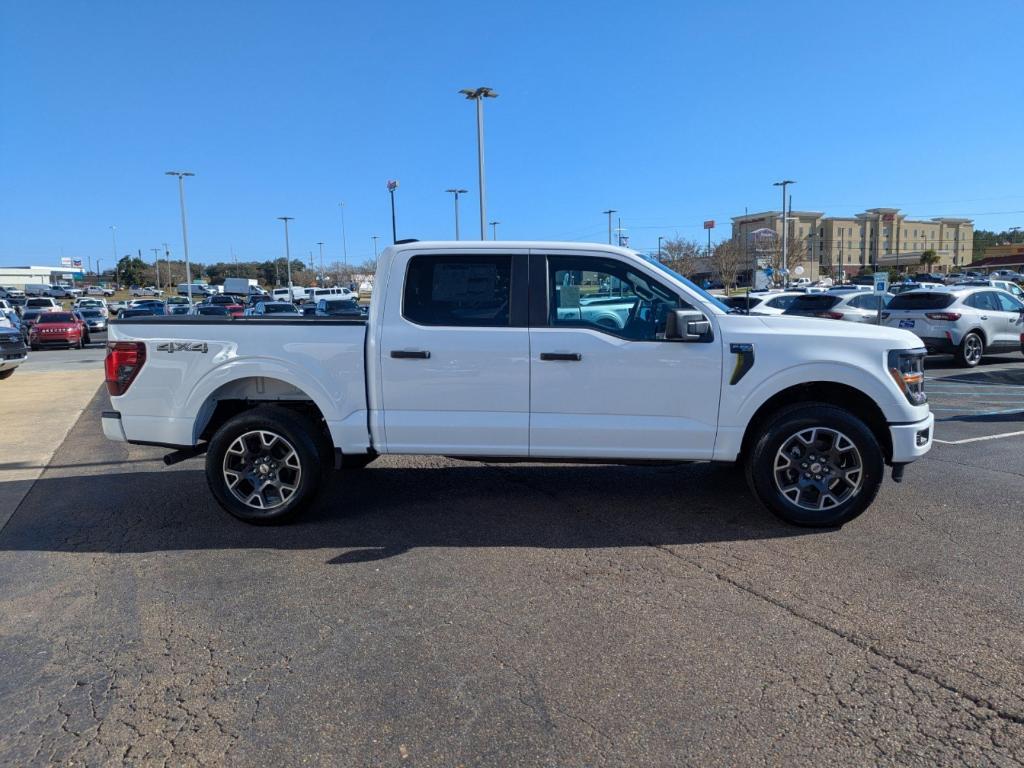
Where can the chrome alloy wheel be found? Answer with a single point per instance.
(973, 349)
(262, 469)
(818, 468)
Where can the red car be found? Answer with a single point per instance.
(57, 329)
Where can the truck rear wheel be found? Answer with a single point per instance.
(815, 465)
(264, 465)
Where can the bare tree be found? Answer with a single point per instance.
(727, 261)
(684, 256)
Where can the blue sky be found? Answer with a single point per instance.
(669, 112)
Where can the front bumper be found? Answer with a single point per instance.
(939, 345)
(912, 441)
(55, 339)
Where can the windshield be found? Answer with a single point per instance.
(277, 308)
(91, 313)
(58, 317)
(714, 300)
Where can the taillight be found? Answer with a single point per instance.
(124, 361)
(831, 315)
(950, 316)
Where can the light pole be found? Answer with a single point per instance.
(321, 280)
(456, 192)
(167, 258)
(494, 229)
(660, 238)
(184, 228)
(288, 254)
(344, 238)
(478, 95)
(392, 186)
(156, 260)
(375, 238)
(785, 223)
(609, 213)
(113, 236)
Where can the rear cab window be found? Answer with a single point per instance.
(458, 290)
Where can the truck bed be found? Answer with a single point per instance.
(194, 363)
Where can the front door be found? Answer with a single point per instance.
(454, 355)
(604, 382)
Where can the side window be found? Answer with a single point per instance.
(458, 290)
(781, 302)
(1009, 304)
(592, 292)
(984, 300)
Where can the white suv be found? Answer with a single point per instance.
(965, 322)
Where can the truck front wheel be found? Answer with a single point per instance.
(264, 465)
(815, 465)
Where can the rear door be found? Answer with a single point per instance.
(604, 382)
(455, 354)
(1010, 311)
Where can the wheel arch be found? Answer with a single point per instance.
(829, 393)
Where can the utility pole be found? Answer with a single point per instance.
(167, 258)
(374, 238)
(456, 192)
(156, 260)
(321, 280)
(478, 95)
(609, 213)
(494, 229)
(113, 235)
(184, 227)
(288, 254)
(660, 238)
(785, 226)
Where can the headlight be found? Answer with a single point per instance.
(906, 366)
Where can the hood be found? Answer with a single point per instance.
(825, 330)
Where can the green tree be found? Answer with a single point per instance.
(132, 270)
(929, 257)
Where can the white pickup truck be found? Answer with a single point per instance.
(533, 351)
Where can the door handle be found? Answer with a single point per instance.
(410, 354)
(574, 357)
(984, 317)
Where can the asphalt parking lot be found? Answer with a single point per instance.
(437, 612)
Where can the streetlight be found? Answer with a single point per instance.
(321, 264)
(288, 253)
(344, 238)
(167, 258)
(113, 235)
(392, 186)
(785, 223)
(478, 95)
(375, 238)
(184, 227)
(494, 229)
(457, 192)
(609, 213)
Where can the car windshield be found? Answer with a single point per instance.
(343, 306)
(91, 313)
(277, 308)
(58, 317)
(713, 300)
(922, 300)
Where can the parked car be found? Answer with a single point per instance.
(1004, 285)
(929, 277)
(772, 303)
(966, 322)
(156, 307)
(198, 290)
(148, 291)
(99, 290)
(1006, 274)
(57, 329)
(209, 310)
(228, 302)
(12, 351)
(95, 321)
(10, 292)
(338, 307)
(139, 312)
(280, 309)
(855, 306)
(455, 360)
(60, 292)
(43, 302)
(37, 289)
(30, 316)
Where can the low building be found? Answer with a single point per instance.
(878, 238)
(19, 277)
(1008, 256)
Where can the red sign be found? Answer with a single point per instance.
(709, 224)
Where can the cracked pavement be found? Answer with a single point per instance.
(432, 612)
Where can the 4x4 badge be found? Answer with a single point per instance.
(183, 346)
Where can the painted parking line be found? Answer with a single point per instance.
(978, 439)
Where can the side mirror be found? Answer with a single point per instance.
(688, 325)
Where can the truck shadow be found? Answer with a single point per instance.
(388, 509)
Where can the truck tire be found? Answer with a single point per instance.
(815, 465)
(264, 465)
(971, 350)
